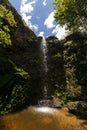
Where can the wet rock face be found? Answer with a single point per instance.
(52, 39)
(55, 62)
(39, 39)
(24, 53)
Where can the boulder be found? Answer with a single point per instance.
(51, 102)
(78, 108)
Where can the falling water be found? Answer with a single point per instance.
(44, 57)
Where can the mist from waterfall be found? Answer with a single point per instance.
(45, 67)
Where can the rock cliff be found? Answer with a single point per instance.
(67, 65)
(20, 69)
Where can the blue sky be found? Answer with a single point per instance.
(39, 16)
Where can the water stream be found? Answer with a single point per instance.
(45, 67)
(42, 118)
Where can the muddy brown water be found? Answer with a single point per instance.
(43, 118)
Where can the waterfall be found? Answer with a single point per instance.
(45, 67)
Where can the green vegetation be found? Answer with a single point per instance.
(6, 21)
(13, 80)
(58, 55)
(71, 13)
(19, 61)
(71, 63)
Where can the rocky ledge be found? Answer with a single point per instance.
(78, 108)
(51, 102)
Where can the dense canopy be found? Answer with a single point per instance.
(72, 13)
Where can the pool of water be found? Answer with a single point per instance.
(42, 118)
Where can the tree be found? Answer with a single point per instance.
(72, 13)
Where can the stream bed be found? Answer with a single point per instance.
(42, 118)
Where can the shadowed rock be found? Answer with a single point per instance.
(51, 102)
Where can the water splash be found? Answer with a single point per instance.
(45, 109)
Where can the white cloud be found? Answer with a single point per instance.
(29, 24)
(27, 8)
(44, 2)
(41, 34)
(33, 27)
(49, 22)
(23, 1)
(60, 32)
(26, 18)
